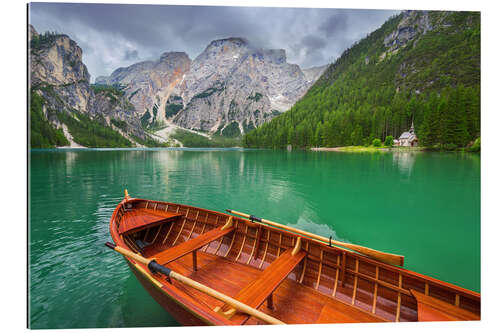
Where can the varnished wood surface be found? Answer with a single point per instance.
(293, 303)
(256, 292)
(329, 285)
(137, 219)
(432, 309)
(191, 245)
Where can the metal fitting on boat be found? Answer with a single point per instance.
(157, 268)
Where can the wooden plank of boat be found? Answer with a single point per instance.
(338, 312)
(191, 245)
(255, 293)
(140, 219)
(433, 309)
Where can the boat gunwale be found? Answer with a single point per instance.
(428, 280)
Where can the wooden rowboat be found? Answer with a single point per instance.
(211, 268)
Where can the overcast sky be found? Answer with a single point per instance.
(113, 35)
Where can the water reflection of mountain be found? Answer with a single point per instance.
(404, 160)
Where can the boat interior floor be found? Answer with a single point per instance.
(293, 303)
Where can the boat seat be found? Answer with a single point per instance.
(139, 219)
(256, 292)
(191, 245)
(433, 309)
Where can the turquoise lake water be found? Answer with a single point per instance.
(425, 206)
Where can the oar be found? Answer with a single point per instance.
(156, 267)
(389, 258)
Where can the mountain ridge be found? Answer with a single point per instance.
(419, 66)
(225, 95)
(218, 88)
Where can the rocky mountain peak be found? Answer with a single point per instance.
(234, 86)
(412, 24)
(230, 49)
(149, 84)
(59, 76)
(56, 59)
(174, 56)
(231, 84)
(236, 41)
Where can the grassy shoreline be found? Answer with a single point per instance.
(362, 149)
(352, 149)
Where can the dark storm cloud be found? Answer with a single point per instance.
(131, 55)
(313, 42)
(334, 23)
(113, 35)
(311, 47)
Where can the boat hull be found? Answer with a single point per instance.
(182, 315)
(330, 284)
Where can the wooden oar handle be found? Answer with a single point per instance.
(152, 264)
(155, 267)
(128, 253)
(238, 213)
